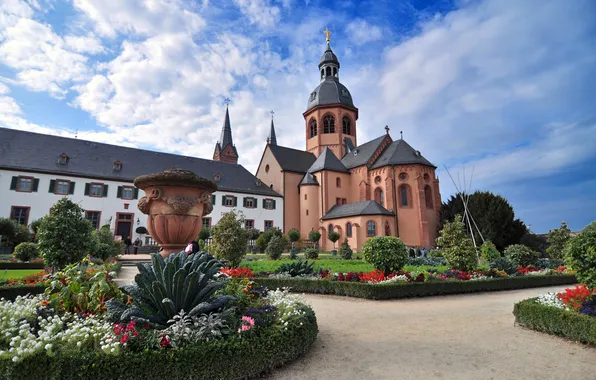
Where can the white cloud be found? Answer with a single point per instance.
(361, 32)
(260, 12)
(84, 44)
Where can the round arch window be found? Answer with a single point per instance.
(378, 179)
(267, 168)
(403, 176)
(426, 177)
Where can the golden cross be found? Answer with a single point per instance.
(327, 35)
(227, 100)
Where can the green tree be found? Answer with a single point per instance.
(35, 226)
(492, 213)
(7, 228)
(253, 234)
(204, 234)
(141, 230)
(489, 252)
(521, 255)
(230, 240)
(345, 252)
(457, 247)
(105, 247)
(333, 236)
(314, 236)
(64, 236)
(266, 236)
(276, 246)
(580, 255)
(535, 242)
(294, 236)
(385, 253)
(26, 251)
(557, 240)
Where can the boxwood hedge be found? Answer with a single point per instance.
(415, 289)
(12, 292)
(554, 321)
(20, 265)
(236, 358)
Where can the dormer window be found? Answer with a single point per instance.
(63, 159)
(344, 93)
(313, 96)
(117, 166)
(217, 177)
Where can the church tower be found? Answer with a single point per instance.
(225, 150)
(330, 114)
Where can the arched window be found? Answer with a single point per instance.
(335, 72)
(330, 228)
(347, 128)
(349, 229)
(404, 196)
(338, 182)
(329, 124)
(371, 228)
(322, 73)
(379, 196)
(328, 71)
(428, 197)
(387, 229)
(313, 127)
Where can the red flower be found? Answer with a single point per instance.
(118, 328)
(130, 326)
(576, 296)
(165, 342)
(135, 334)
(374, 276)
(124, 339)
(238, 272)
(146, 326)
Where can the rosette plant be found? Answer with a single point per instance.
(167, 286)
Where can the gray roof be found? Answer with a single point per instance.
(272, 138)
(226, 132)
(292, 160)
(28, 151)
(327, 161)
(400, 152)
(308, 179)
(328, 57)
(362, 153)
(330, 91)
(356, 209)
(349, 145)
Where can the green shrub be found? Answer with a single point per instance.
(22, 235)
(385, 253)
(26, 252)
(294, 253)
(7, 228)
(489, 252)
(311, 253)
(105, 247)
(435, 253)
(521, 255)
(549, 263)
(276, 246)
(457, 247)
(299, 268)
(557, 241)
(263, 240)
(345, 252)
(294, 236)
(314, 236)
(141, 230)
(505, 264)
(333, 236)
(230, 239)
(253, 233)
(580, 255)
(204, 234)
(35, 225)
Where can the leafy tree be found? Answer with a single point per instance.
(105, 247)
(64, 236)
(26, 251)
(333, 236)
(314, 236)
(253, 234)
(457, 247)
(492, 213)
(266, 236)
(204, 234)
(294, 236)
(521, 255)
(22, 234)
(535, 242)
(35, 226)
(557, 240)
(590, 227)
(580, 255)
(345, 252)
(489, 252)
(386, 253)
(230, 239)
(276, 246)
(7, 228)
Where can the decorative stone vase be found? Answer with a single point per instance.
(176, 201)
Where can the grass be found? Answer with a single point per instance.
(16, 273)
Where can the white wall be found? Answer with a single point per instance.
(42, 200)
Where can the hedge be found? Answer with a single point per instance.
(21, 265)
(12, 292)
(415, 289)
(554, 321)
(237, 358)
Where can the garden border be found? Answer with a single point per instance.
(238, 358)
(414, 289)
(12, 292)
(554, 321)
(20, 265)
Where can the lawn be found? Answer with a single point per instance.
(16, 273)
(336, 265)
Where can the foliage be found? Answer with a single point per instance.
(314, 236)
(521, 255)
(590, 227)
(21, 235)
(204, 234)
(64, 236)
(345, 252)
(430, 261)
(489, 252)
(492, 213)
(549, 263)
(184, 329)
(294, 235)
(557, 240)
(535, 242)
(299, 268)
(7, 228)
(253, 234)
(333, 236)
(580, 255)
(456, 246)
(294, 253)
(311, 253)
(230, 239)
(35, 226)
(435, 253)
(266, 236)
(104, 245)
(141, 230)
(166, 286)
(505, 264)
(276, 246)
(26, 251)
(385, 253)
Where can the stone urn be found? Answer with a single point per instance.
(176, 201)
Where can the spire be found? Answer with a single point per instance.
(226, 131)
(272, 139)
(225, 150)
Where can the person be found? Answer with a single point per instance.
(192, 247)
(127, 244)
(136, 244)
(423, 252)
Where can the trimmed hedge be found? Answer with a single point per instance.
(414, 289)
(12, 292)
(21, 265)
(237, 358)
(554, 321)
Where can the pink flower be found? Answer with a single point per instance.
(247, 324)
(118, 328)
(130, 326)
(124, 339)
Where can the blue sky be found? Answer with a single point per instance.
(504, 88)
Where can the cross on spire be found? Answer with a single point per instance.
(227, 101)
(272, 113)
(402, 134)
(327, 35)
(387, 129)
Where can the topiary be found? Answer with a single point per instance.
(230, 240)
(489, 252)
(580, 255)
(293, 235)
(345, 252)
(311, 253)
(457, 248)
(299, 268)
(333, 236)
(504, 264)
(521, 255)
(141, 230)
(314, 236)
(26, 251)
(276, 246)
(385, 253)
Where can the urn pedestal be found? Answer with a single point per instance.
(176, 201)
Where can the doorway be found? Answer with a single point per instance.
(124, 225)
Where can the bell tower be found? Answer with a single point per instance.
(330, 114)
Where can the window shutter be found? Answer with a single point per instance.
(244, 201)
(35, 184)
(235, 201)
(13, 183)
(213, 199)
(136, 193)
(256, 202)
(223, 200)
(273, 201)
(52, 186)
(87, 188)
(119, 192)
(71, 188)
(105, 190)
(264, 206)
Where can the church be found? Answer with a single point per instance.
(382, 187)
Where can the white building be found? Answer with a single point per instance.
(36, 170)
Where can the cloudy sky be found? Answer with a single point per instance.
(505, 88)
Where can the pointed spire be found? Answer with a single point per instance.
(226, 131)
(272, 139)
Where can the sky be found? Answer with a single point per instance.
(503, 91)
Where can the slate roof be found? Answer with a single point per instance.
(362, 153)
(400, 152)
(327, 161)
(330, 91)
(28, 151)
(328, 57)
(308, 179)
(292, 160)
(226, 132)
(356, 209)
(272, 137)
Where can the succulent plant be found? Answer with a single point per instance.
(504, 264)
(166, 286)
(298, 268)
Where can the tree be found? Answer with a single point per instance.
(266, 236)
(64, 236)
(386, 253)
(489, 252)
(314, 236)
(26, 251)
(492, 213)
(204, 234)
(294, 236)
(14, 232)
(535, 242)
(521, 255)
(105, 247)
(230, 240)
(276, 246)
(253, 234)
(345, 252)
(35, 226)
(457, 247)
(557, 240)
(333, 236)
(580, 255)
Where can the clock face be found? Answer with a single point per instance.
(403, 176)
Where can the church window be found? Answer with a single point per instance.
(306, 212)
(328, 72)
(329, 124)
(403, 176)
(347, 128)
(338, 182)
(379, 196)
(378, 179)
(426, 177)
(404, 195)
(330, 228)
(322, 73)
(305, 197)
(371, 228)
(428, 197)
(313, 96)
(349, 229)
(267, 168)
(345, 93)
(313, 127)
(335, 72)
(387, 229)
